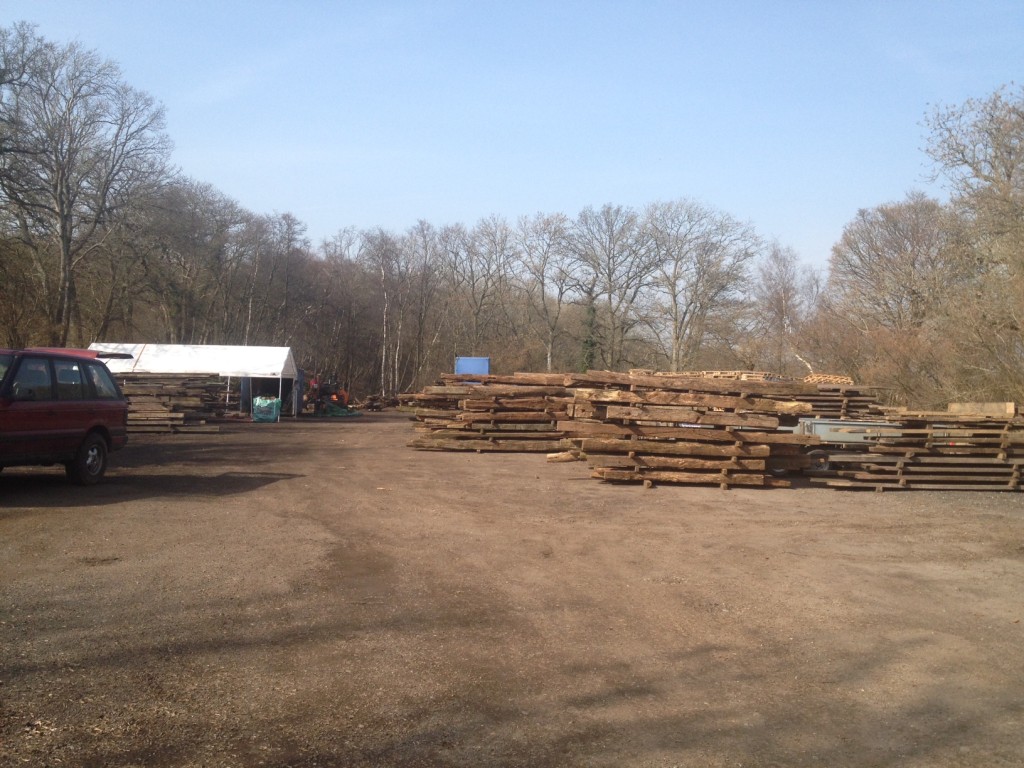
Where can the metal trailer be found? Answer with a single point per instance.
(839, 434)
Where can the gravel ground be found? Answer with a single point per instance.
(313, 593)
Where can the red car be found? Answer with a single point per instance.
(60, 406)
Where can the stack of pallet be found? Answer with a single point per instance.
(827, 378)
(170, 403)
(662, 428)
(839, 401)
(964, 449)
(490, 413)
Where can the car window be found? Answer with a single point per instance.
(32, 380)
(5, 363)
(70, 385)
(102, 383)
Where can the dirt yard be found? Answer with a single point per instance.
(314, 593)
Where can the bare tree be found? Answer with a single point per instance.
(893, 276)
(186, 237)
(381, 252)
(429, 315)
(340, 340)
(702, 262)
(90, 143)
(478, 266)
(614, 257)
(894, 265)
(20, 50)
(781, 295)
(979, 147)
(546, 269)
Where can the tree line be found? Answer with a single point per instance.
(101, 239)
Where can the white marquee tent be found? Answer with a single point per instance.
(211, 359)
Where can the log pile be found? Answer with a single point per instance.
(486, 413)
(171, 403)
(943, 451)
(686, 429)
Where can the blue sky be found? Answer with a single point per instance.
(788, 115)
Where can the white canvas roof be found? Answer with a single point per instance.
(260, 362)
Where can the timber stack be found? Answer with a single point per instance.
(677, 428)
(829, 396)
(171, 403)
(719, 427)
(970, 447)
(489, 413)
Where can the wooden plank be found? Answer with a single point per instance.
(676, 462)
(749, 420)
(524, 378)
(434, 413)
(603, 429)
(468, 417)
(502, 427)
(903, 479)
(658, 447)
(504, 404)
(493, 390)
(495, 434)
(689, 478)
(992, 469)
(878, 486)
(487, 446)
(651, 413)
(1002, 409)
(686, 383)
(657, 413)
(923, 459)
(692, 399)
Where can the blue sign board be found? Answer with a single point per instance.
(473, 365)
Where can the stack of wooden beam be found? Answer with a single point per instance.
(736, 375)
(661, 428)
(170, 403)
(517, 413)
(830, 396)
(955, 450)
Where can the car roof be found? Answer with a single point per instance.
(90, 354)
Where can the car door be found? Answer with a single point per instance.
(108, 403)
(75, 405)
(29, 420)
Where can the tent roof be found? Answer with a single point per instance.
(263, 362)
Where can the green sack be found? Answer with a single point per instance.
(266, 409)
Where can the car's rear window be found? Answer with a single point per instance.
(105, 387)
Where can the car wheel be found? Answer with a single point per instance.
(819, 461)
(90, 463)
